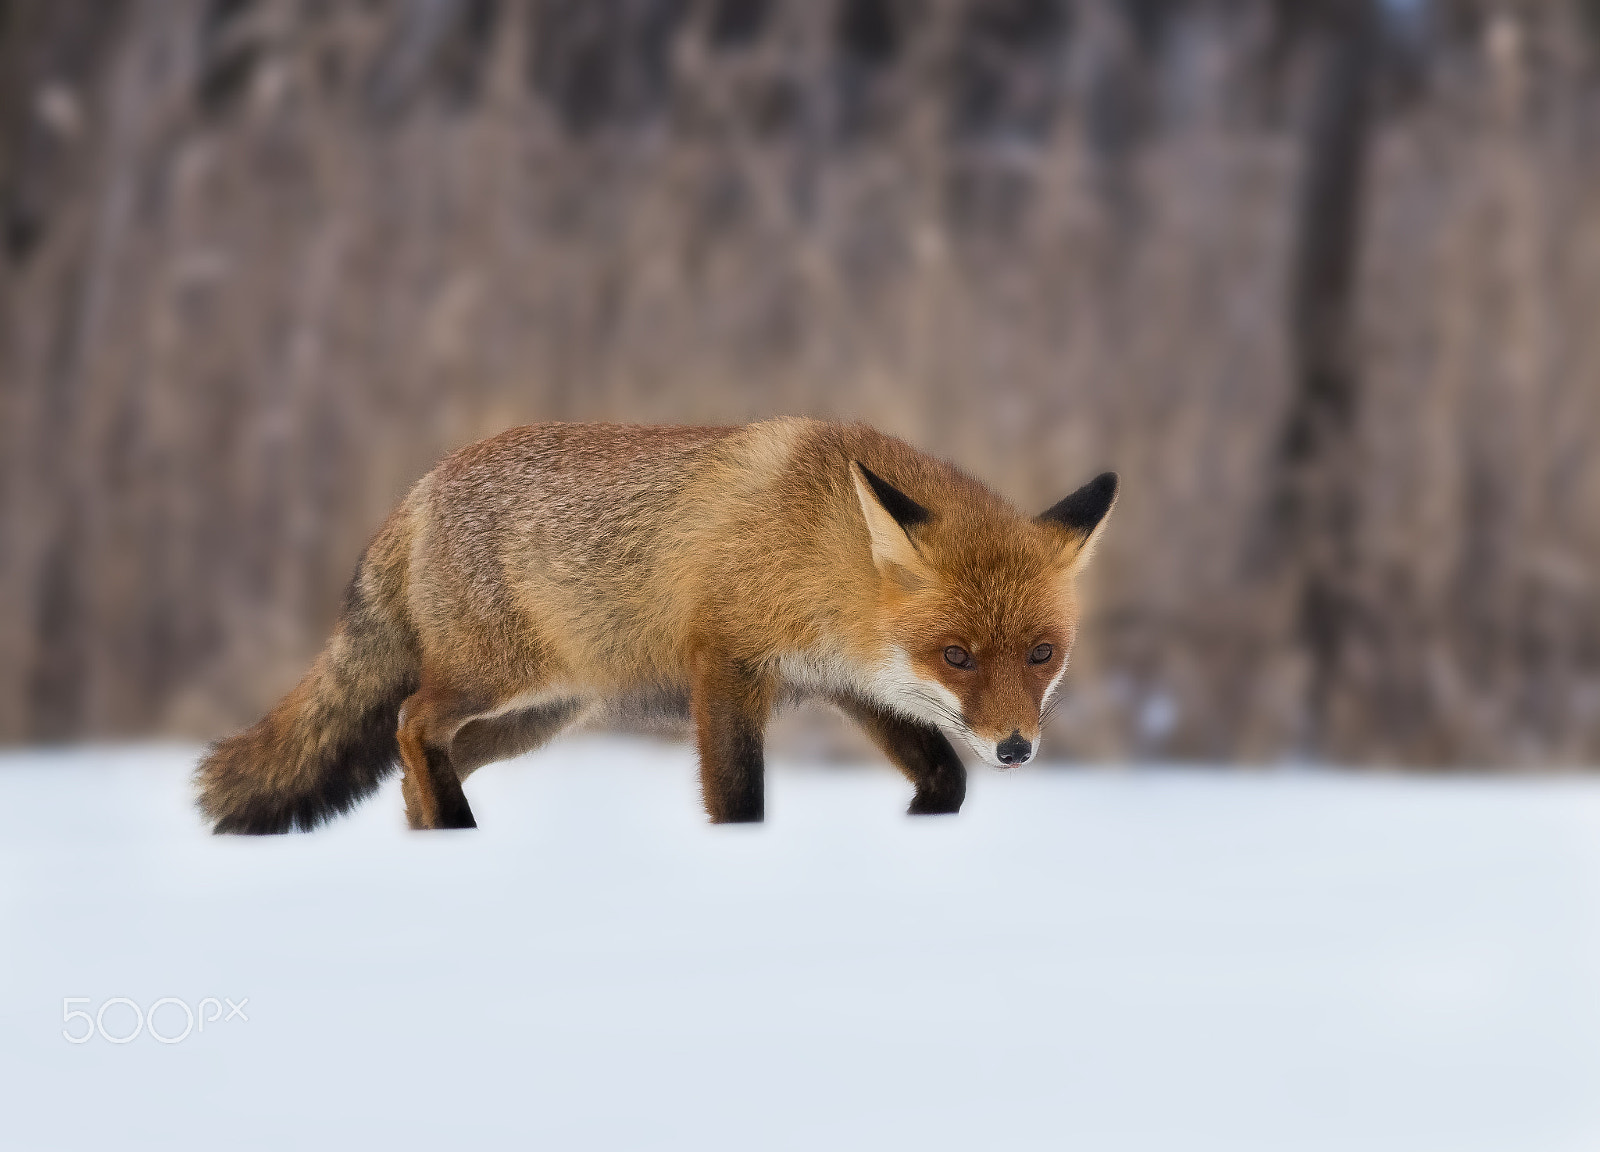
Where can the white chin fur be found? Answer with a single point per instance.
(981, 749)
(896, 687)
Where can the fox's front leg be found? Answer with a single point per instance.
(920, 751)
(730, 705)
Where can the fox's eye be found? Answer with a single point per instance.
(958, 657)
(1040, 654)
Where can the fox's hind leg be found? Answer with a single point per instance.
(492, 738)
(429, 720)
(919, 750)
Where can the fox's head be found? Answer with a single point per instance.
(977, 607)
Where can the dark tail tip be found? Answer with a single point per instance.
(279, 777)
(238, 792)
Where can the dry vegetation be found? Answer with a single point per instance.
(266, 259)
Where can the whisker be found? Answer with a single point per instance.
(943, 709)
(938, 707)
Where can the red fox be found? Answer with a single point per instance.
(708, 573)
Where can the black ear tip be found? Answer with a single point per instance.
(1086, 507)
(906, 511)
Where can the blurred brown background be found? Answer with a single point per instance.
(1319, 277)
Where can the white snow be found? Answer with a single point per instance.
(1086, 958)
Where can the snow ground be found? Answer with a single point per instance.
(1087, 959)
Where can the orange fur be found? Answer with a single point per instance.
(708, 572)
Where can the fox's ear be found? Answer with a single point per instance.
(891, 515)
(1083, 515)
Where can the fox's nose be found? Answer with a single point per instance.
(1014, 749)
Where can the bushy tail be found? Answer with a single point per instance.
(330, 741)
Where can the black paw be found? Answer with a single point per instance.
(934, 804)
(739, 817)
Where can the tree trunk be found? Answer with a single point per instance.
(1317, 499)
